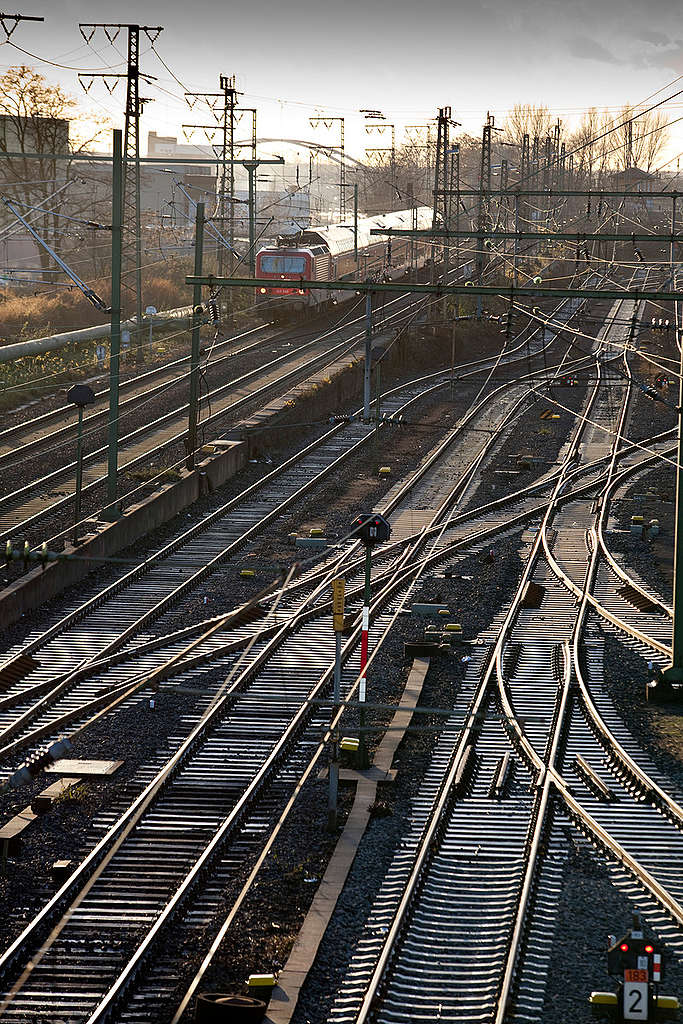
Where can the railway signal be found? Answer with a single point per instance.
(338, 626)
(369, 528)
(639, 964)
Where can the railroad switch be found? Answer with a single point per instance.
(639, 963)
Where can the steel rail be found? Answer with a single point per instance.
(48, 418)
(437, 816)
(397, 581)
(137, 807)
(316, 362)
(114, 697)
(199, 527)
(531, 757)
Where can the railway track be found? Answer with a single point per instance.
(26, 438)
(23, 509)
(182, 800)
(462, 928)
(245, 730)
(121, 615)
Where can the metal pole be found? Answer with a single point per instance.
(139, 349)
(516, 253)
(362, 688)
(452, 359)
(334, 760)
(457, 211)
(355, 222)
(378, 395)
(368, 356)
(251, 169)
(115, 344)
(674, 673)
(223, 185)
(79, 474)
(194, 358)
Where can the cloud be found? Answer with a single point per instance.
(588, 49)
(655, 38)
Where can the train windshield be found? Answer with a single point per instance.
(282, 264)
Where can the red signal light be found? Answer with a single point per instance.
(649, 949)
(624, 947)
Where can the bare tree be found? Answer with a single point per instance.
(527, 119)
(35, 117)
(639, 138)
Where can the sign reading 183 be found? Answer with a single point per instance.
(635, 994)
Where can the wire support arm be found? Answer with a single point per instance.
(91, 295)
(504, 291)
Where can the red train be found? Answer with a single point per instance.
(327, 254)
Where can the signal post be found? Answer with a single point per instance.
(338, 626)
(369, 528)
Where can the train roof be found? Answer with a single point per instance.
(339, 237)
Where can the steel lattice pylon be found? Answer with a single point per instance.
(131, 249)
(131, 252)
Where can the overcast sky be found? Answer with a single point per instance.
(404, 58)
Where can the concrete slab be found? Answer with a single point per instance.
(11, 832)
(44, 801)
(72, 766)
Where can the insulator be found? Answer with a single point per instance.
(214, 312)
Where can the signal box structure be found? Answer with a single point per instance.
(371, 528)
(639, 964)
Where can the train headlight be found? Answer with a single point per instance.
(263, 291)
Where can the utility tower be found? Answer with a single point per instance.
(225, 119)
(131, 254)
(327, 122)
(628, 160)
(556, 151)
(441, 169)
(524, 161)
(504, 190)
(444, 167)
(483, 218)
(375, 123)
(419, 137)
